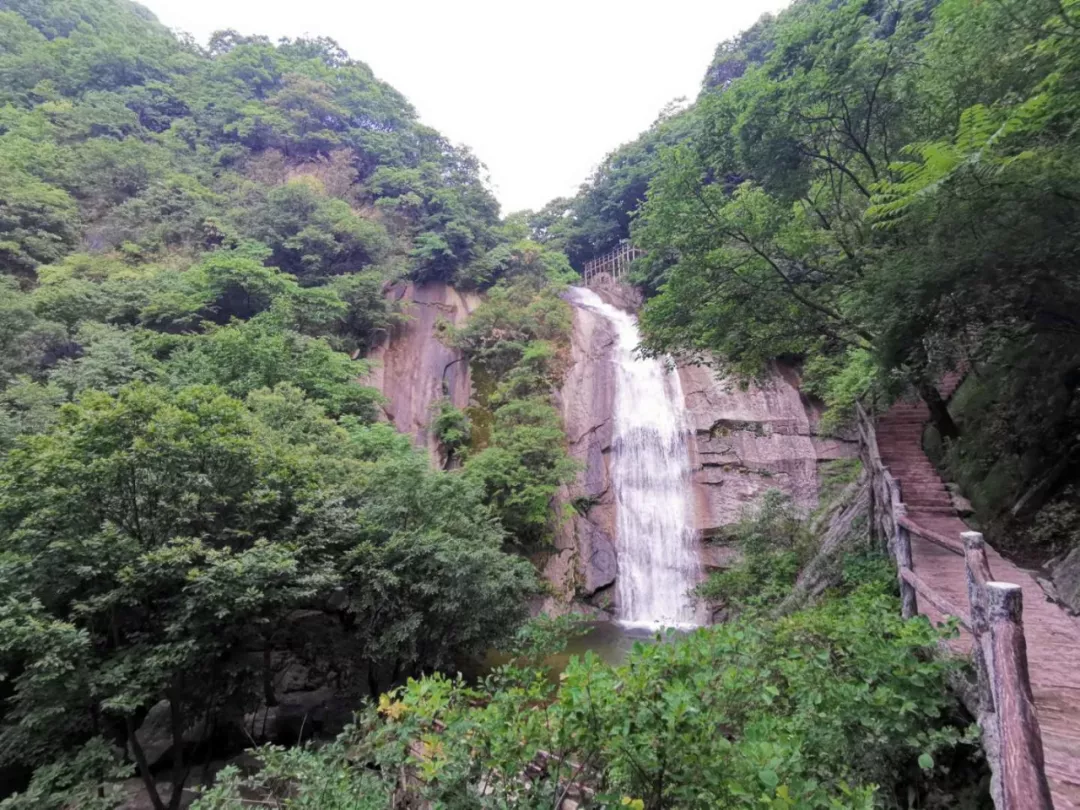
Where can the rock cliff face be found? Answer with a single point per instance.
(412, 369)
(584, 562)
(746, 440)
(751, 439)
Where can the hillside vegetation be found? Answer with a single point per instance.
(194, 248)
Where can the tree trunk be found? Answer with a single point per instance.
(373, 679)
(144, 769)
(179, 772)
(939, 411)
(267, 676)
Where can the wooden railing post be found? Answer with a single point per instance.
(1020, 782)
(978, 574)
(902, 553)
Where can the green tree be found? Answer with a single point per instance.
(38, 223)
(158, 529)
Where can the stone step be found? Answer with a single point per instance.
(921, 501)
(912, 489)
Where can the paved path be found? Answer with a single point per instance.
(1053, 637)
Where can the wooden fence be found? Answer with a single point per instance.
(612, 266)
(1006, 709)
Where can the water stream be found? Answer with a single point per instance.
(650, 474)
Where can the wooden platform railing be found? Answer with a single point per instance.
(1006, 708)
(612, 266)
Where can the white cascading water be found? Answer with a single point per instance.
(658, 559)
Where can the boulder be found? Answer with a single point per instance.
(1066, 576)
(155, 734)
(299, 716)
(133, 795)
(599, 557)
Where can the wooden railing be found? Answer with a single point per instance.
(1006, 708)
(612, 266)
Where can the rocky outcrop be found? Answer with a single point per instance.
(584, 561)
(412, 368)
(840, 525)
(155, 734)
(750, 439)
(747, 438)
(1066, 578)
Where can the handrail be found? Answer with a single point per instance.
(934, 598)
(1011, 734)
(612, 266)
(932, 536)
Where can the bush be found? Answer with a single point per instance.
(775, 543)
(826, 708)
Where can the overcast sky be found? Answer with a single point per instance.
(541, 91)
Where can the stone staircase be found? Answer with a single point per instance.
(1053, 637)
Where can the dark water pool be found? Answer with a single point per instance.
(610, 641)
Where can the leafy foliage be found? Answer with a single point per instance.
(194, 250)
(820, 709)
(883, 192)
(774, 543)
(516, 342)
(152, 537)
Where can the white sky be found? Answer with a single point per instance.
(541, 91)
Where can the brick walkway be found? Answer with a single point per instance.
(1053, 637)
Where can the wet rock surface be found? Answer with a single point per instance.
(746, 440)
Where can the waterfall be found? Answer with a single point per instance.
(650, 475)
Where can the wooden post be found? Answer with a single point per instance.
(902, 552)
(978, 574)
(1021, 777)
